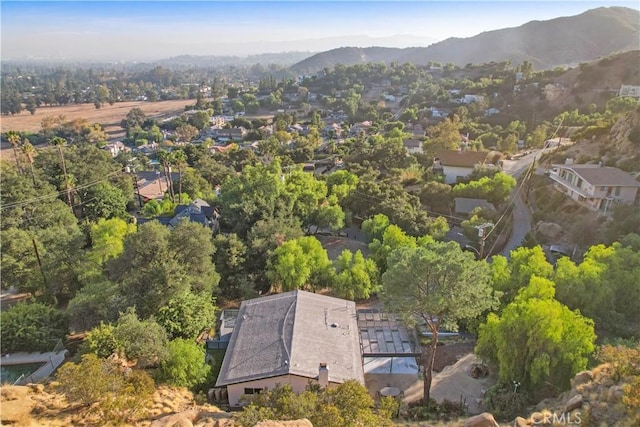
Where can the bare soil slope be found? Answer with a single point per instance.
(109, 116)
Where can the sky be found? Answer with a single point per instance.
(147, 30)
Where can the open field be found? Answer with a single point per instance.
(109, 116)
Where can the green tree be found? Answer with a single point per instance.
(356, 277)
(299, 264)
(437, 285)
(341, 183)
(179, 158)
(509, 275)
(104, 200)
(187, 314)
(184, 365)
(375, 227)
(536, 339)
(59, 143)
(495, 189)
(107, 239)
(143, 341)
(15, 140)
(30, 152)
(158, 264)
(32, 327)
(348, 404)
(231, 256)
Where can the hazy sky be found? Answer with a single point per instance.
(143, 30)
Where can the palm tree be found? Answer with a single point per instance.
(14, 139)
(58, 142)
(180, 159)
(164, 157)
(30, 152)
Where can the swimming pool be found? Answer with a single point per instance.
(10, 373)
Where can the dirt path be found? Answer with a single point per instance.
(454, 383)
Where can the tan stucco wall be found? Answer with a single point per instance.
(298, 384)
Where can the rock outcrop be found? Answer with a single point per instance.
(481, 420)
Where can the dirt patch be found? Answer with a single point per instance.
(454, 383)
(449, 354)
(109, 116)
(335, 245)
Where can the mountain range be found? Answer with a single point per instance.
(546, 44)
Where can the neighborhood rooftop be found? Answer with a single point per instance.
(291, 334)
(462, 158)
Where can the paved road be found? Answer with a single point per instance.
(521, 213)
(521, 225)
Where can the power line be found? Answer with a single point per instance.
(56, 194)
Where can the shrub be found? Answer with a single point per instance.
(184, 364)
(115, 395)
(32, 327)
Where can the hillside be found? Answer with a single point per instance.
(546, 44)
(597, 81)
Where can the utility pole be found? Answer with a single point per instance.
(483, 236)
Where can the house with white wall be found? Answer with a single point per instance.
(595, 187)
(456, 165)
(291, 338)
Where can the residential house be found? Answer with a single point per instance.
(464, 205)
(629, 90)
(333, 129)
(361, 128)
(413, 146)
(416, 130)
(222, 148)
(232, 134)
(116, 148)
(437, 113)
(595, 187)
(151, 185)
(491, 112)
(198, 211)
(456, 165)
(468, 99)
(291, 338)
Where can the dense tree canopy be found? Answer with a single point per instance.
(536, 339)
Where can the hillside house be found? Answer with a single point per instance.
(291, 338)
(629, 90)
(456, 165)
(468, 99)
(416, 130)
(115, 148)
(413, 146)
(595, 187)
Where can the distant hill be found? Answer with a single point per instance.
(546, 44)
(283, 58)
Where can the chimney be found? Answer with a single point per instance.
(323, 375)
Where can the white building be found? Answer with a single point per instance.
(456, 165)
(596, 187)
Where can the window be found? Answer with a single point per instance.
(603, 188)
(617, 191)
(252, 390)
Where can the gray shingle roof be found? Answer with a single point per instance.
(603, 175)
(465, 205)
(292, 333)
(462, 158)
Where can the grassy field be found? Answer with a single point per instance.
(109, 116)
